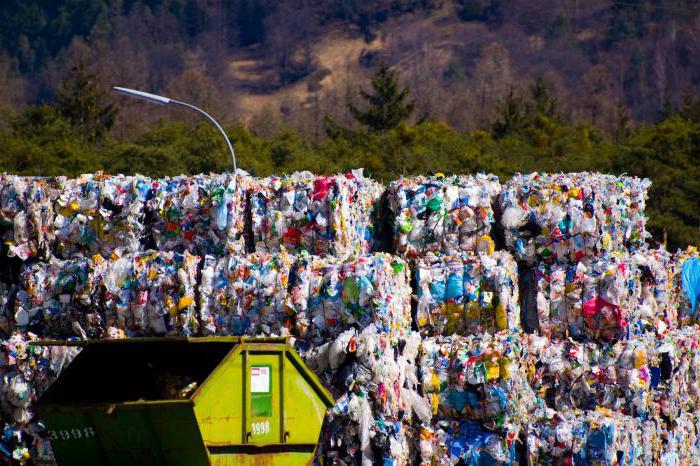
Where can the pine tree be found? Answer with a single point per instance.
(387, 106)
(81, 101)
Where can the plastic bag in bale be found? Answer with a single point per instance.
(476, 378)
(27, 214)
(59, 299)
(152, 293)
(329, 295)
(567, 217)
(202, 214)
(467, 294)
(318, 214)
(97, 213)
(245, 295)
(443, 214)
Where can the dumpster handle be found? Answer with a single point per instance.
(286, 434)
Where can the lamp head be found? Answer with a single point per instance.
(153, 98)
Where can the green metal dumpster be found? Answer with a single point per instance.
(185, 401)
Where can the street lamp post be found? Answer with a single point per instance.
(160, 100)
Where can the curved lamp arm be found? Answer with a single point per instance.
(160, 100)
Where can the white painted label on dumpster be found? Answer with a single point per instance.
(260, 379)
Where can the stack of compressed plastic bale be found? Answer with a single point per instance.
(27, 214)
(467, 294)
(352, 322)
(374, 378)
(245, 295)
(317, 214)
(27, 370)
(100, 214)
(447, 214)
(567, 217)
(468, 314)
(203, 214)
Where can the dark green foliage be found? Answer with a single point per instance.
(387, 106)
(85, 105)
(529, 134)
(480, 10)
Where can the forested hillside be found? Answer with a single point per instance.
(396, 86)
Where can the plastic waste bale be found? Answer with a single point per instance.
(565, 217)
(98, 213)
(150, 293)
(329, 295)
(318, 214)
(27, 214)
(27, 370)
(467, 293)
(451, 442)
(591, 299)
(570, 375)
(600, 437)
(476, 378)
(59, 299)
(374, 378)
(202, 214)
(447, 214)
(244, 295)
(686, 284)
